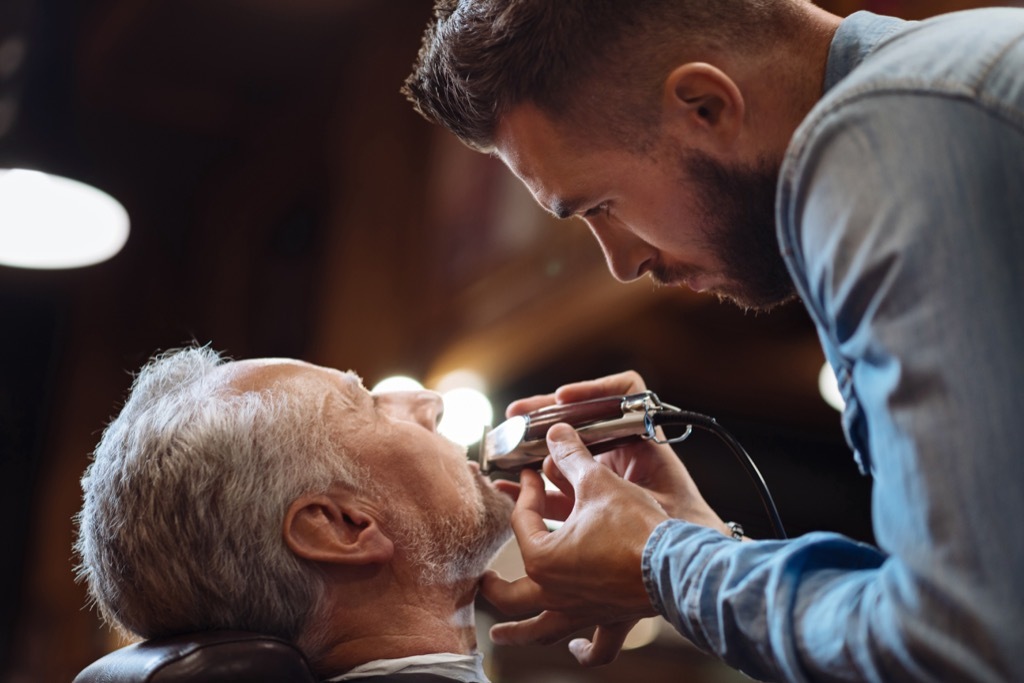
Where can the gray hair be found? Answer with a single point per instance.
(181, 524)
(596, 65)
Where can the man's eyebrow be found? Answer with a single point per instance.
(352, 387)
(565, 208)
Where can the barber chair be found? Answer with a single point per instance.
(209, 657)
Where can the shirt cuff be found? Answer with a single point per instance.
(647, 571)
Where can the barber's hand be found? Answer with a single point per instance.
(655, 467)
(586, 572)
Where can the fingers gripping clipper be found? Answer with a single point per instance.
(603, 424)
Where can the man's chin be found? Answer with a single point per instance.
(739, 294)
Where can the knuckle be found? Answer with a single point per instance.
(563, 450)
(589, 480)
(634, 379)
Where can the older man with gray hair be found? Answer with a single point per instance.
(284, 498)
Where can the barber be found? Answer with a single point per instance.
(761, 151)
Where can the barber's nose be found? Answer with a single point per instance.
(422, 407)
(627, 256)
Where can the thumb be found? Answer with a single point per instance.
(569, 454)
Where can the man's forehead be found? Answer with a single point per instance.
(525, 140)
(258, 374)
(529, 143)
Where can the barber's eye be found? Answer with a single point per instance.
(601, 208)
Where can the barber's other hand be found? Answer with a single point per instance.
(586, 572)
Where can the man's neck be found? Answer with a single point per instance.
(399, 623)
(778, 104)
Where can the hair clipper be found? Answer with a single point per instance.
(602, 423)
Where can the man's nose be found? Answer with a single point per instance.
(628, 256)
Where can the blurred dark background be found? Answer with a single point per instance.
(286, 201)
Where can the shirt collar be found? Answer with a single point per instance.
(857, 36)
(465, 668)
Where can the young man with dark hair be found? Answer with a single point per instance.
(762, 150)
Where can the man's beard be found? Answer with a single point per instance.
(737, 205)
(447, 549)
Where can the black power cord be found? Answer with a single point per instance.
(684, 418)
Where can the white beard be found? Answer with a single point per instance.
(446, 549)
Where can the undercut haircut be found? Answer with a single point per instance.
(595, 66)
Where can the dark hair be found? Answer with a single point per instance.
(595, 64)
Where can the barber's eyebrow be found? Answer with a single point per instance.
(565, 208)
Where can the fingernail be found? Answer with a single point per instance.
(578, 647)
(560, 432)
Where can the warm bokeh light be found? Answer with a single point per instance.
(50, 222)
(466, 412)
(461, 379)
(396, 383)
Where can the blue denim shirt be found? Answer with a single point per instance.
(901, 218)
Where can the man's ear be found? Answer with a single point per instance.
(337, 529)
(706, 103)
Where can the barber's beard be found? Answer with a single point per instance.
(737, 205)
(446, 548)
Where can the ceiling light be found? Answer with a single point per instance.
(51, 222)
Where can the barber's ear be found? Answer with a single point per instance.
(334, 529)
(705, 103)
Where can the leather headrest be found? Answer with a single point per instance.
(213, 656)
